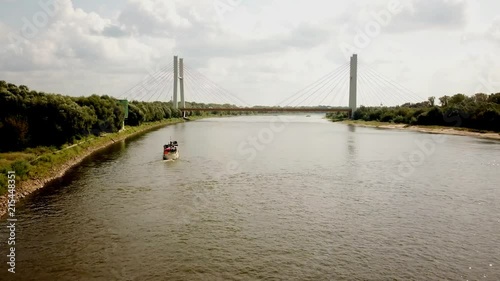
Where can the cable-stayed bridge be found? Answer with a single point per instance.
(340, 90)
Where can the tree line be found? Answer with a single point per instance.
(29, 118)
(480, 111)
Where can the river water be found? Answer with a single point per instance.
(269, 198)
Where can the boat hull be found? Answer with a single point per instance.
(171, 155)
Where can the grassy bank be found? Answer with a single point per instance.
(37, 164)
(372, 123)
(461, 131)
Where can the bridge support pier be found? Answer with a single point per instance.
(353, 84)
(176, 77)
(181, 81)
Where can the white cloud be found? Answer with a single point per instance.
(261, 50)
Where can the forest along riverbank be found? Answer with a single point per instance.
(26, 187)
(425, 129)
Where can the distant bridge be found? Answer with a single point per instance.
(337, 91)
(179, 77)
(272, 109)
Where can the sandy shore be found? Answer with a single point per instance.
(424, 129)
(27, 187)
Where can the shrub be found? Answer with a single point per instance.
(21, 168)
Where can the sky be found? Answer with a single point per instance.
(260, 51)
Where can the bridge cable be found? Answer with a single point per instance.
(158, 85)
(147, 85)
(370, 91)
(152, 88)
(384, 89)
(170, 91)
(325, 78)
(166, 82)
(191, 92)
(345, 77)
(203, 87)
(389, 94)
(339, 75)
(326, 90)
(333, 89)
(223, 91)
(396, 86)
(411, 93)
(209, 90)
(344, 88)
(206, 88)
(146, 80)
(311, 84)
(196, 88)
(381, 88)
(336, 72)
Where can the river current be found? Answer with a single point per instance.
(269, 198)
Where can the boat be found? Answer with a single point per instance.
(308, 116)
(171, 151)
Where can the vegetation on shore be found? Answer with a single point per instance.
(480, 112)
(42, 162)
(40, 132)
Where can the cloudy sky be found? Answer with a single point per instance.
(261, 51)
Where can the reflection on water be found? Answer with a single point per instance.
(318, 201)
(351, 140)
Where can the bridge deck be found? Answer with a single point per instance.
(270, 109)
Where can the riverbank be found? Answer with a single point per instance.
(459, 131)
(44, 172)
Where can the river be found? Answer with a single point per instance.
(269, 198)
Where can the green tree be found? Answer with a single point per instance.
(480, 97)
(444, 100)
(457, 99)
(432, 101)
